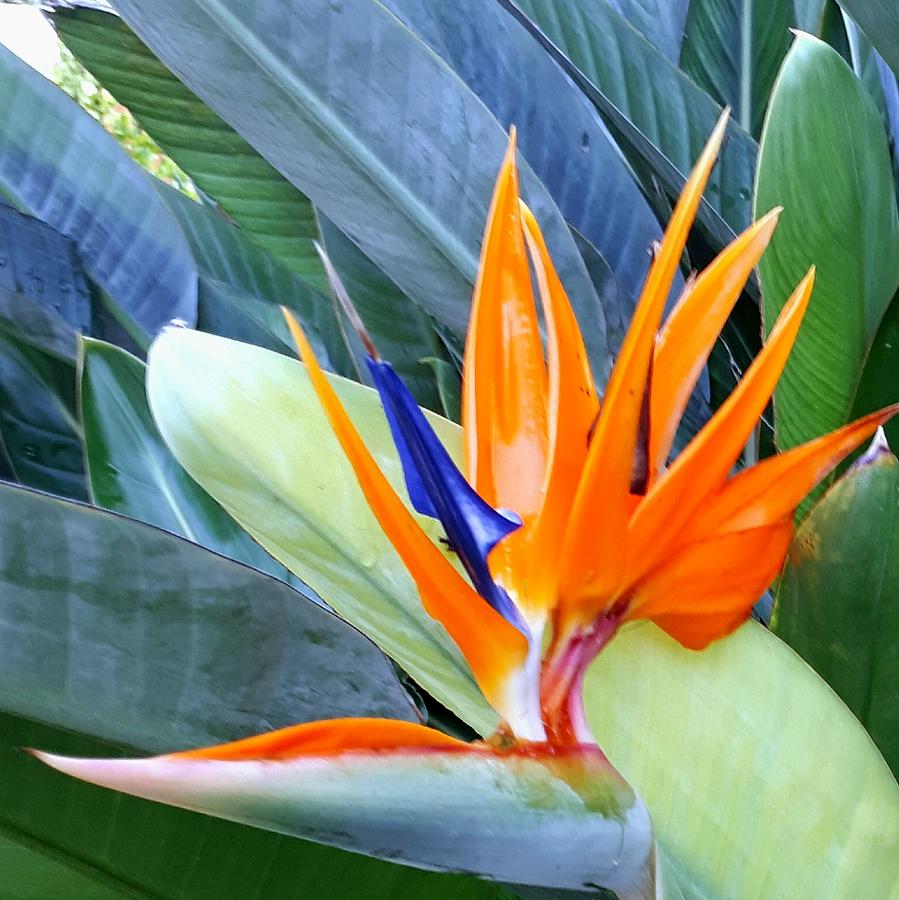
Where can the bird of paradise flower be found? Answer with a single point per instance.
(569, 520)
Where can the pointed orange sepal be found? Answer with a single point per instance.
(697, 602)
(704, 465)
(593, 546)
(504, 386)
(531, 554)
(494, 648)
(328, 738)
(774, 488)
(687, 338)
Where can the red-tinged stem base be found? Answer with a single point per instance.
(562, 682)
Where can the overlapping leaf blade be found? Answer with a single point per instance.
(559, 131)
(167, 645)
(132, 471)
(821, 120)
(660, 118)
(838, 599)
(245, 424)
(405, 171)
(59, 165)
(733, 50)
(220, 162)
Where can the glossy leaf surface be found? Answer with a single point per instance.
(229, 262)
(655, 111)
(661, 22)
(220, 162)
(406, 174)
(59, 165)
(560, 133)
(821, 120)
(246, 424)
(879, 19)
(838, 600)
(61, 838)
(750, 729)
(733, 50)
(165, 645)
(401, 330)
(133, 472)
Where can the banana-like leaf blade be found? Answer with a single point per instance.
(369, 124)
(838, 599)
(220, 162)
(245, 423)
(760, 782)
(821, 121)
(660, 118)
(733, 50)
(132, 471)
(59, 165)
(559, 131)
(879, 19)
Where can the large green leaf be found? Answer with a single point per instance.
(760, 782)
(838, 599)
(41, 436)
(879, 19)
(248, 276)
(824, 159)
(661, 22)
(220, 162)
(739, 725)
(113, 630)
(879, 385)
(246, 425)
(559, 131)
(131, 470)
(406, 173)
(59, 165)
(658, 115)
(733, 50)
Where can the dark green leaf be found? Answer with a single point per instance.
(879, 19)
(220, 162)
(879, 385)
(660, 118)
(40, 263)
(733, 50)
(402, 332)
(248, 276)
(807, 15)
(838, 600)
(661, 22)
(131, 471)
(41, 436)
(59, 165)
(559, 131)
(824, 159)
(113, 630)
(372, 126)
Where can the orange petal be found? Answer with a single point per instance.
(504, 389)
(494, 648)
(697, 632)
(774, 488)
(594, 552)
(687, 338)
(708, 587)
(328, 738)
(703, 466)
(532, 552)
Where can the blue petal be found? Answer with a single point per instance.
(438, 489)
